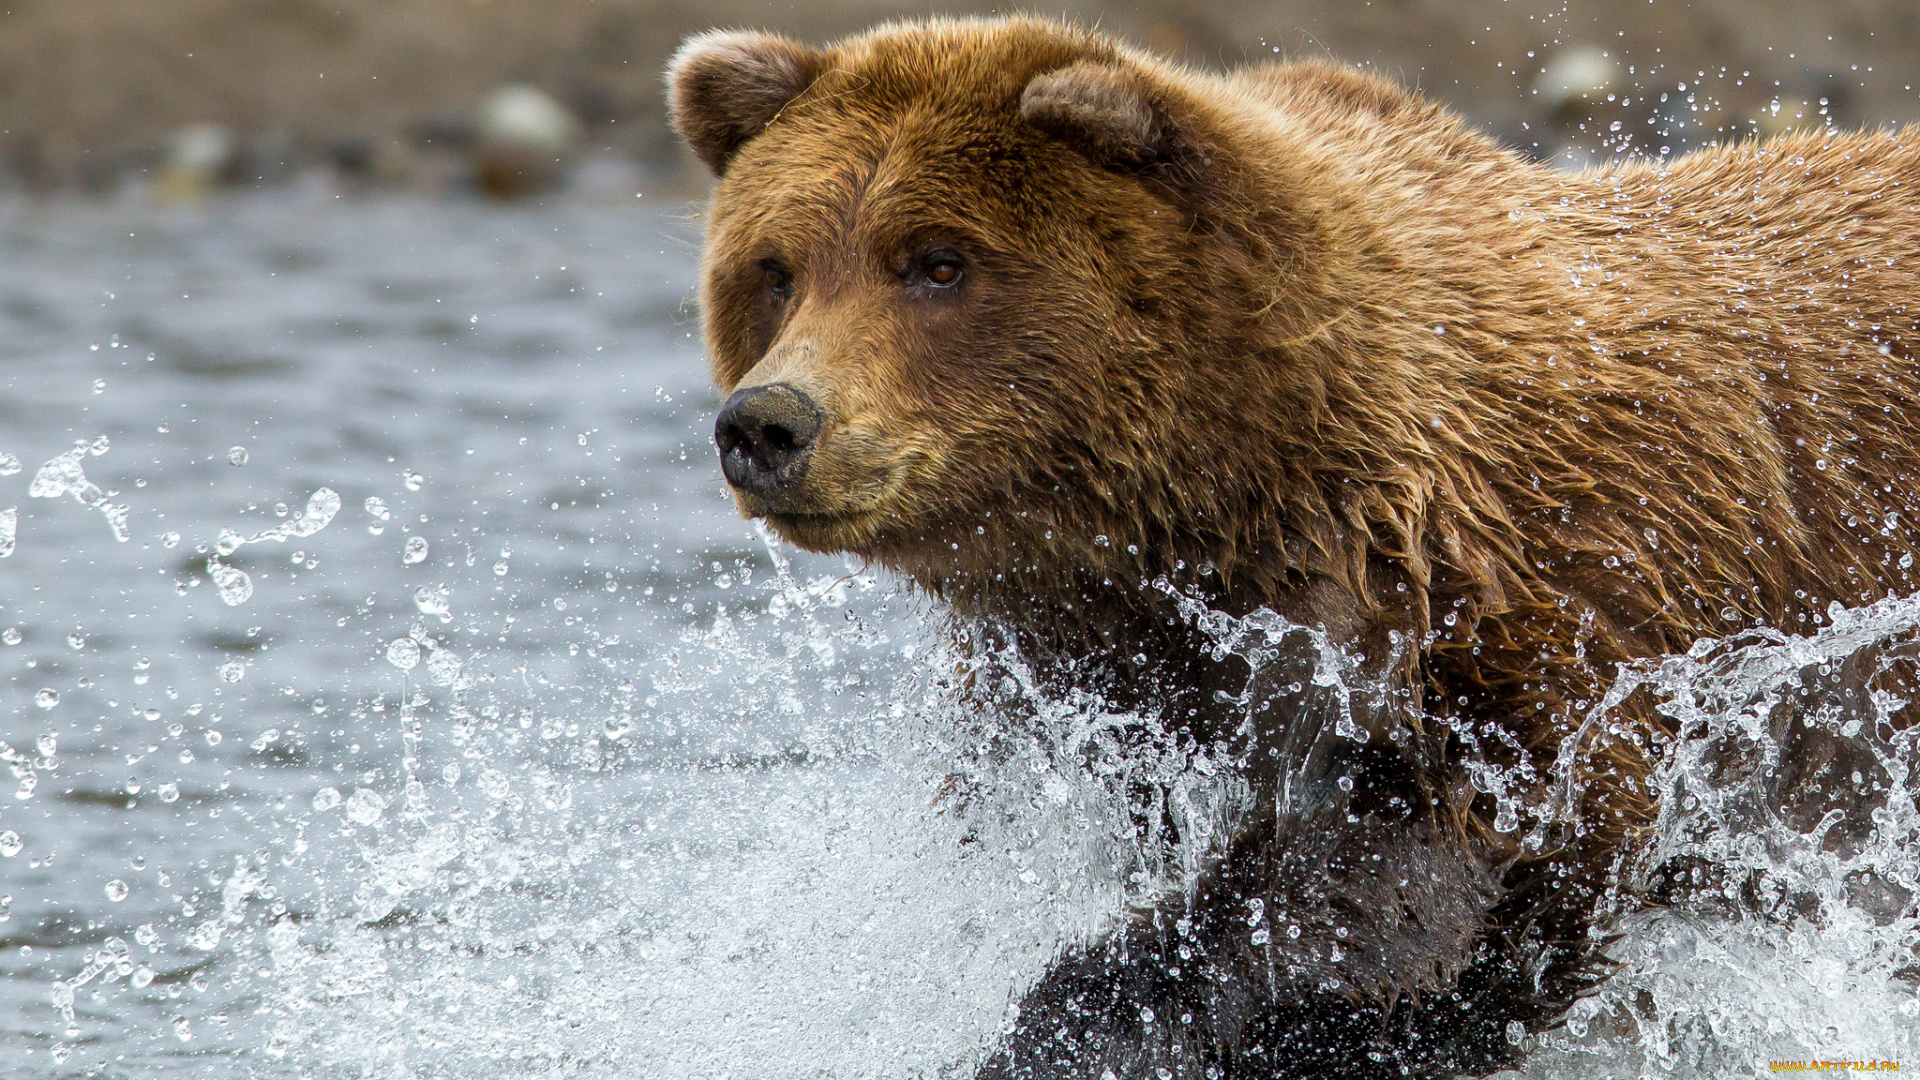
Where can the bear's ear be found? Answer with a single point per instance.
(1119, 117)
(723, 87)
(1104, 111)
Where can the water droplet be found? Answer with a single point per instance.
(322, 505)
(141, 978)
(494, 783)
(237, 456)
(9, 464)
(434, 600)
(47, 744)
(416, 550)
(500, 569)
(326, 798)
(11, 635)
(1506, 817)
(10, 844)
(46, 699)
(116, 890)
(116, 515)
(169, 539)
(414, 480)
(443, 667)
(9, 529)
(168, 792)
(214, 737)
(233, 671)
(76, 641)
(366, 806)
(234, 583)
(99, 386)
(403, 653)
(98, 446)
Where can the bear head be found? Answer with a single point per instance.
(967, 286)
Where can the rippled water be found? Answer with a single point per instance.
(437, 717)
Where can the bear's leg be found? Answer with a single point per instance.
(1089, 1018)
(1362, 951)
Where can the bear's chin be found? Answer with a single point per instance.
(826, 534)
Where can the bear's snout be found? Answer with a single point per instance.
(766, 436)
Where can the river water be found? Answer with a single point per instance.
(390, 690)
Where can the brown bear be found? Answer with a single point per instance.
(1070, 335)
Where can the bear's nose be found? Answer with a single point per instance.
(766, 435)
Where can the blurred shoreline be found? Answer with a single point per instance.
(100, 95)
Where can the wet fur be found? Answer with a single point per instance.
(1496, 428)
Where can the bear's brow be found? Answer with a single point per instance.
(882, 198)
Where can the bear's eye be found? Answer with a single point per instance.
(776, 278)
(942, 268)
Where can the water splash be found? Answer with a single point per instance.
(613, 876)
(1788, 844)
(322, 505)
(235, 584)
(64, 475)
